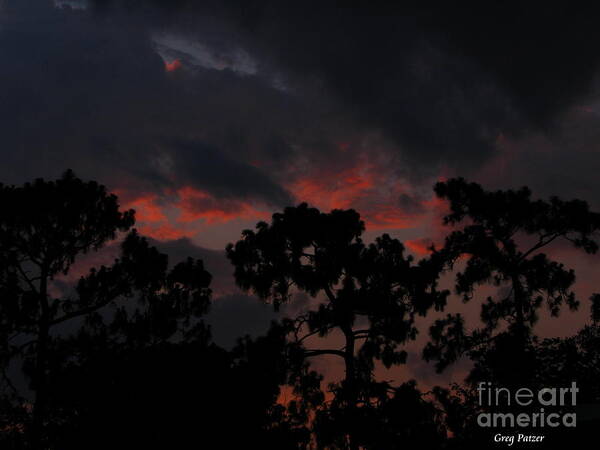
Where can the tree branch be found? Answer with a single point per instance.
(330, 294)
(541, 243)
(309, 353)
(322, 329)
(27, 279)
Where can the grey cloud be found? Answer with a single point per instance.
(410, 204)
(207, 168)
(237, 315)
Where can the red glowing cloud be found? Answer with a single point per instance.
(173, 65)
(420, 247)
(384, 201)
(195, 204)
(191, 205)
(186, 212)
(152, 221)
(364, 187)
(146, 209)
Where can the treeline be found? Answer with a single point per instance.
(123, 359)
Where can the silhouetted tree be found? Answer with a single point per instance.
(501, 244)
(556, 362)
(178, 395)
(395, 417)
(44, 227)
(264, 364)
(371, 293)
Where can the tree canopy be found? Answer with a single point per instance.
(370, 293)
(44, 227)
(501, 243)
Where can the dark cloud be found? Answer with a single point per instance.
(268, 92)
(88, 94)
(237, 315)
(443, 81)
(410, 204)
(562, 162)
(205, 167)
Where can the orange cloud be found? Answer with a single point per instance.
(152, 221)
(195, 204)
(364, 187)
(373, 190)
(388, 216)
(186, 212)
(334, 190)
(420, 247)
(146, 209)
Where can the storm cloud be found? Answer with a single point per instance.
(443, 81)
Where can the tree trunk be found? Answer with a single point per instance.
(520, 362)
(520, 327)
(350, 384)
(40, 384)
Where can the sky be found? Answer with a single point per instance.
(206, 117)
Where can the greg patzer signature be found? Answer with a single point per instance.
(510, 439)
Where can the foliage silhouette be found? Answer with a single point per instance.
(502, 241)
(502, 244)
(178, 396)
(371, 295)
(557, 362)
(44, 227)
(122, 359)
